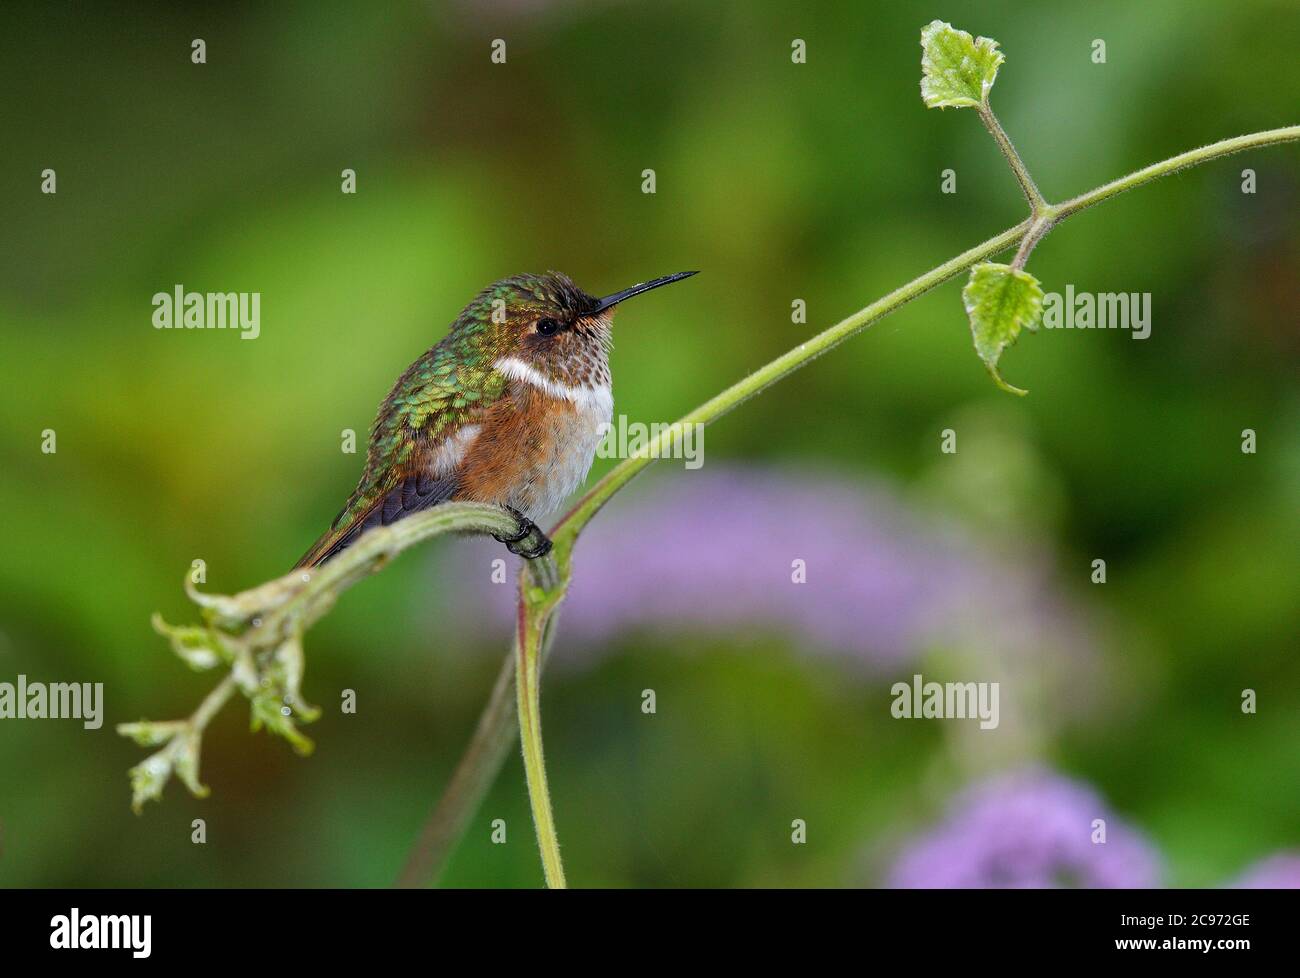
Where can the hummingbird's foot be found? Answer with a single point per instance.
(524, 527)
(530, 542)
(541, 546)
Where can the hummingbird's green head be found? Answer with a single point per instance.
(549, 324)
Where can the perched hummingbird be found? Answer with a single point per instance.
(506, 409)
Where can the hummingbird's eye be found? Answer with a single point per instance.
(548, 327)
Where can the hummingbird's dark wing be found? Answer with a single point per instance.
(431, 407)
(408, 495)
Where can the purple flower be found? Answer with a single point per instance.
(1030, 829)
(1280, 871)
(841, 568)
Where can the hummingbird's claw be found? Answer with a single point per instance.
(528, 531)
(526, 527)
(541, 549)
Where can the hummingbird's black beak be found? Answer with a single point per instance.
(654, 283)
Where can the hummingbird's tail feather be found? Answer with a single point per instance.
(328, 546)
(409, 495)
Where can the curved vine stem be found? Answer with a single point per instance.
(257, 635)
(534, 619)
(492, 738)
(488, 748)
(565, 534)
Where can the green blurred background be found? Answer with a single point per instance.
(780, 181)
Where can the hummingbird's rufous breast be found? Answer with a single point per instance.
(535, 448)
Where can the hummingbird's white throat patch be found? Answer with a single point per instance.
(597, 400)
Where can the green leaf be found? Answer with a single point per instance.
(148, 778)
(179, 757)
(148, 734)
(956, 69)
(269, 711)
(196, 645)
(1000, 301)
(234, 613)
(288, 667)
(187, 763)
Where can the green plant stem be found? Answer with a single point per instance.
(566, 531)
(1038, 229)
(1193, 157)
(533, 618)
(1027, 185)
(262, 615)
(212, 704)
(487, 750)
(489, 746)
(253, 628)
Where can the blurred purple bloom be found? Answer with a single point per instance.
(713, 553)
(1030, 829)
(1280, 871)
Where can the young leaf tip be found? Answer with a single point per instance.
(957, 70)
(1000, 301)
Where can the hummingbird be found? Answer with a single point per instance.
(508, 408)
